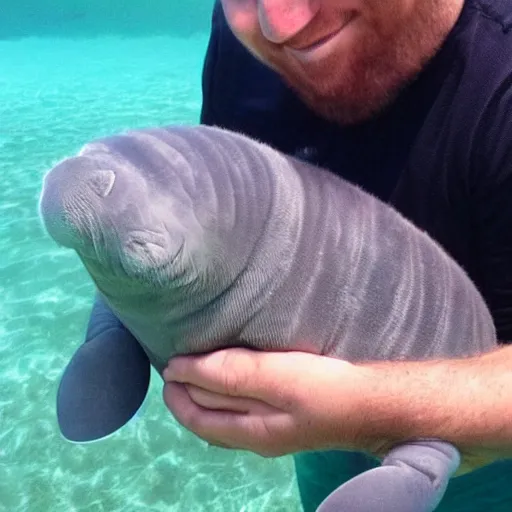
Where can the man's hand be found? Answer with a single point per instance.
(269, 403)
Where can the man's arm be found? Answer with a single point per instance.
(465, 401)
(281, 403)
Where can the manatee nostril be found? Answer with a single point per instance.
(146, 248)
(102, 181)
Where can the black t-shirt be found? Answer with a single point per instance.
(441, 154)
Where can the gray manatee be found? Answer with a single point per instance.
(198, 238)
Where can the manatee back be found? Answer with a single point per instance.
(360, 281)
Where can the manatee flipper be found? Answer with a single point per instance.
(106, 381)
(413, 478)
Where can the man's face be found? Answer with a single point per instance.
(345, 58)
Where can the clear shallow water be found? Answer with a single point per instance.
(79, 18)
(56, 95)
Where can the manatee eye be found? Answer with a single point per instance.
(102, 182)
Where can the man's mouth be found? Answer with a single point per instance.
(321, 47)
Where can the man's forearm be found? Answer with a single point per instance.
(465, 401)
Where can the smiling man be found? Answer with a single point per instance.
(345, 59)
(412, 100)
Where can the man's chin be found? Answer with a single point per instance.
(344, 109)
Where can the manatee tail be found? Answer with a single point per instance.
(106, 381)
(413, 478)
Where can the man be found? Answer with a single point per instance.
(412, 100)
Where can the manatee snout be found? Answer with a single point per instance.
(70, 201)
(103, 214)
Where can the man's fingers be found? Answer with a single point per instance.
(222, 371)
(210, 400)
(265, 376)
(233, 372)
(242, 431)
(210, 425)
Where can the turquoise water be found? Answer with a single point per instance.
(78, 18)
(56, 94)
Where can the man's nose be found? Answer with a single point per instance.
(280, 20)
